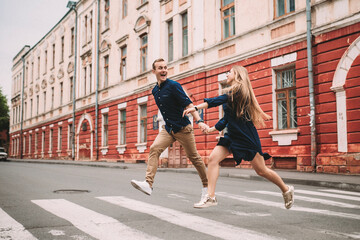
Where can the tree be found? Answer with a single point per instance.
(4, 112)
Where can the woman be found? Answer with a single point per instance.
(242, 114)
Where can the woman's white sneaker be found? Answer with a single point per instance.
(207, 201)
(289, 197)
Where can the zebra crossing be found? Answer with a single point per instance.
(98, 225)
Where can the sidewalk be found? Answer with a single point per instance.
(343, 182)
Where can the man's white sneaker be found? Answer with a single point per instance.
(289, 197)
(207, 201)
(142, 186)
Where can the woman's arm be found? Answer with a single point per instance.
(192, 109)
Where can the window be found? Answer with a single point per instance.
(283, 7)
(38, 73)
(24, 145)
(107, 11)
(44, 101)
(52, 97)
(123, 62)
(106, 71)
(53, 55)
(286, 99)
(62, 48)
(90, 77)
(72, 41)
(26, 74)
(105, 124)
(31, 108)
(122, 126)
(59, 138)
(85, 29)
(184, 18)
(228, 18)
(51, 134)
(143, 123)
(124, 8)
(61, 93)
(43, 142)
(32, 71)
(30, 139)
(84, 80)
(170, 41)
(25, 109)
(36, 142)
(90, 26)
(69, 138)
(143, 53)
(46, 60)
(71, 88)
(37, 105)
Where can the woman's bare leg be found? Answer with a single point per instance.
(218, 154)
(258, 163)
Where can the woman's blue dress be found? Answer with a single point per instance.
(241, 138)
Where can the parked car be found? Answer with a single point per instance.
(3, 154)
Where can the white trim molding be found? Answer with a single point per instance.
(284, 137)
(338, 83)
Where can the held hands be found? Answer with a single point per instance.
(206, 129)
(188, 110)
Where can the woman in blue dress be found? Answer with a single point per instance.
(242, 114)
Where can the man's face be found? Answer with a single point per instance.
(160, 71)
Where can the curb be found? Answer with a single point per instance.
(319, 183)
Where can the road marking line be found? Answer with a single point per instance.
(341, 192)
(294, 208)
(238, 213)
(90, 222)
(11, 229)
(309, 199)
(196, 223)
(328, 195)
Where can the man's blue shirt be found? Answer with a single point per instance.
(171, 101)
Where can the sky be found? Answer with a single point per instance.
(24, 22)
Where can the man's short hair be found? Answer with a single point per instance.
(157, 60)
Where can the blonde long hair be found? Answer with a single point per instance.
(242, 98)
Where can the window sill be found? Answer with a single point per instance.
(141, 147)
(104, 150)
(141, 5)
(105, 30)
(285, 137)
(121, 148)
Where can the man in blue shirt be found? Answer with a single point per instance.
(171, 101)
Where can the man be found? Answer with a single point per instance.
(171, 101)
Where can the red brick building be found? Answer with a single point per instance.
(336, 70)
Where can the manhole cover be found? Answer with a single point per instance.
(71, 191)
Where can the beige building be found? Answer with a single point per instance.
(201, 39)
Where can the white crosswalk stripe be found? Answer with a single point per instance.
(196, 223)
(11, 229)
(311, 199)
(328, 195)
(281, 205)
(341, 192)
(95, 224)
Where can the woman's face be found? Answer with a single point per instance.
(230, 77)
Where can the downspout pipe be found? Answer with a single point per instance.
(311, 86)
(74, 85)
(97, 82)
(22, 108)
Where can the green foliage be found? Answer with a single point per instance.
(4, 112)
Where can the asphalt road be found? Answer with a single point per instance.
(35, 203)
